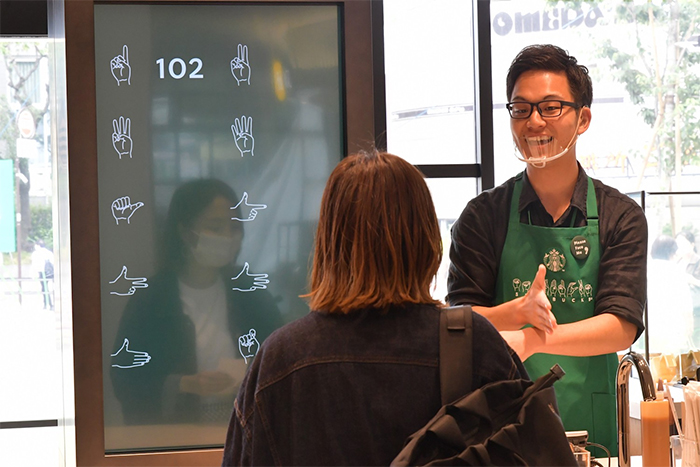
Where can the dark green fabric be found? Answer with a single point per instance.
(571, 287)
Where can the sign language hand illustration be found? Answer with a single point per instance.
(121, 137)
(123, 209)
(125, 358)
(242, 130)
(248, 345)
(125, 286)
(253, 209)
(120, 67)
(246, 282)
(240, 67)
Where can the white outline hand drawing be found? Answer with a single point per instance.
(250, 282)
(254, 208)
(240, 67)
(136, 283)
(242, 130)
(119, 65)
(250, 343)
(123, 209)
(121, 137)
(136, 359)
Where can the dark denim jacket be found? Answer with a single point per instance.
(349, 389)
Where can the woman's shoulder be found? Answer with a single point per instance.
(322, 334)
(360, 319)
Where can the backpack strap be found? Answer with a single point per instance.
(455, 352)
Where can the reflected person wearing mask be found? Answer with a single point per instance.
(196, 327)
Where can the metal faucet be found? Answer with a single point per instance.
(623, 401)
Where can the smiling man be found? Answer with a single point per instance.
(553, 258)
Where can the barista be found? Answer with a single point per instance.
(554, 259)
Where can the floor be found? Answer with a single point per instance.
(31, 386)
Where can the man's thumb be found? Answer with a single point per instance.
(539, 283)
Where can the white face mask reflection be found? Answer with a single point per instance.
(214, 250)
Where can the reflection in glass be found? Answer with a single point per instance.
(235, 115)
(185, 341)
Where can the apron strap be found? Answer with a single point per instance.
(591, 204)
(514, 217)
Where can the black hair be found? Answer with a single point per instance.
(688, 235)
(187, 203)
(547, 57)
(664, 247)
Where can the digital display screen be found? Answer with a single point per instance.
(217, 128)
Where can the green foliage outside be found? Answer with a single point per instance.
(661, 76)
(660, 71)
(42, 227)
(15, 57)
(10, 132)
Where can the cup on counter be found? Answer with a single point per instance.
(684, 452)
(689, 362)
(583, 457)
(664, 366)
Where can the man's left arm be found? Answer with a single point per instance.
(601, 334)
(620, 296)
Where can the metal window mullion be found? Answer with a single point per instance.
(481, 33)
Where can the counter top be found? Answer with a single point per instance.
(636, 461)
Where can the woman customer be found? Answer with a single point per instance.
(349, 382)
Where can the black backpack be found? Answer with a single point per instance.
(512, 422)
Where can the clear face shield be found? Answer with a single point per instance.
(539, 150)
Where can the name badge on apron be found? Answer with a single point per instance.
(580, 247)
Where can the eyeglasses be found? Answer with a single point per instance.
(547, 109)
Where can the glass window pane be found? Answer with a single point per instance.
(645, 130)
(429, 80)
(30, 321)
(450, 196)
(673, 283)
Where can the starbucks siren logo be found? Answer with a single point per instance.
(554, 261)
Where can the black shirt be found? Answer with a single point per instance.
(479, 235)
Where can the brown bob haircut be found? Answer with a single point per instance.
(547, 57)
(378, 240)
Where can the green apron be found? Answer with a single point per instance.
(586, 395)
